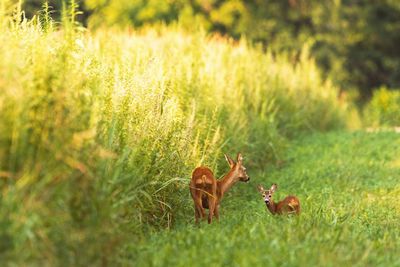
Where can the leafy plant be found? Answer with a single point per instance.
(383, 109)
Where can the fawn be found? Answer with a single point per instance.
(289, 205)
(207, 192)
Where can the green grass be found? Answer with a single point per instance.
(347, 184)
(100, 130)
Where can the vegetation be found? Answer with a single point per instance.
(383, 109)
(354, 42)
(100, 130)
(101, 127)
(347, 184)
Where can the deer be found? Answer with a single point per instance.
(290, 204)
(207, 192)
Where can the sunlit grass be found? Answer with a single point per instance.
(100, 131)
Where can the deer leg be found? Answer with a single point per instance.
(199, 205)
(211, 202)
(201, 209)
(202, 212)
(216, 211)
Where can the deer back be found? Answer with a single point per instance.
(202, 177)
(289, 205)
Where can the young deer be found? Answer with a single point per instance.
(289, 205)
(207, 192)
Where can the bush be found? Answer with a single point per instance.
(383, 109)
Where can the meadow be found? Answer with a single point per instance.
(101, 129)
(347, 184)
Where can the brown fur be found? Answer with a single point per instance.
(290, 204)
(207, 192)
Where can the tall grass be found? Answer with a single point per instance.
(99, 131)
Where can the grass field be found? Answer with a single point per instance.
(347, 183)
(101, 130)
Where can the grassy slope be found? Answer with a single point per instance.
(348, 187)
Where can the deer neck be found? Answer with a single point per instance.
(271, 206)
(225, 183)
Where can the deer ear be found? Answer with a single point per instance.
(239, 158)
(260, 188)
(273, 188)
(230, 161)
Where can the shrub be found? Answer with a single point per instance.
(383, 109)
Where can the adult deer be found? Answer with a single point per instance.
(289, 205)
(207, 192)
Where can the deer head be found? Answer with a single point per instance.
(237, 169)
(267, 194)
